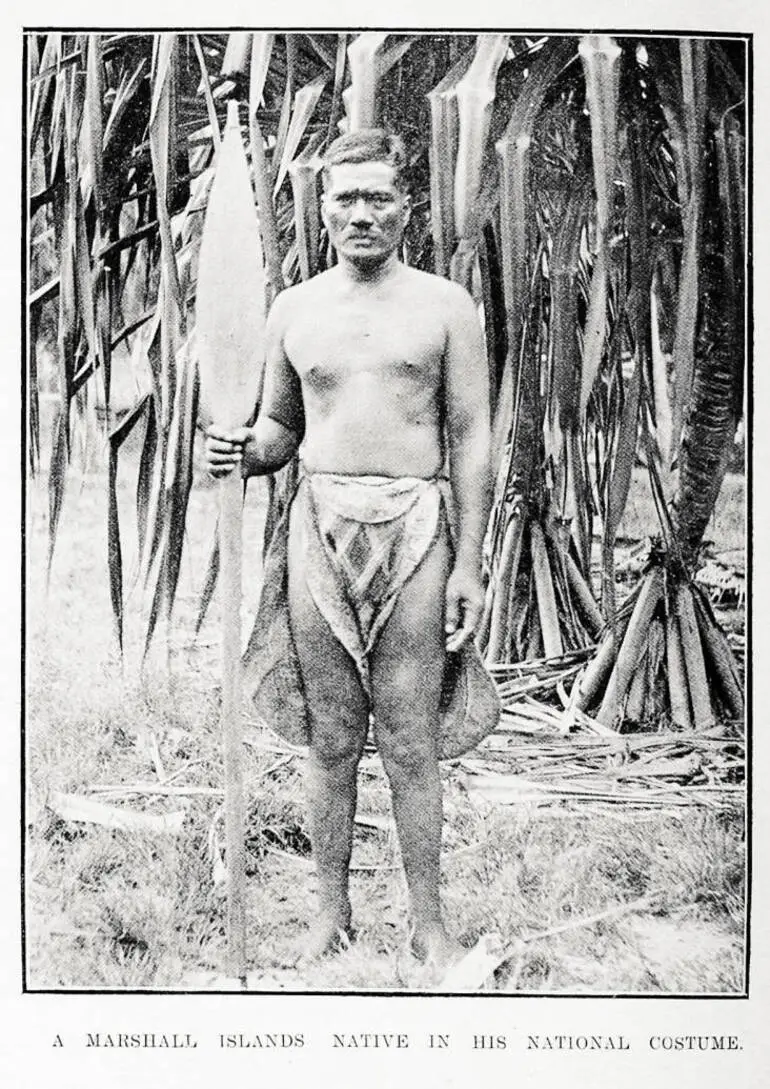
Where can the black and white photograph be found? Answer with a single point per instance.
(386, 582)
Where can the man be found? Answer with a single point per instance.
(373, 366)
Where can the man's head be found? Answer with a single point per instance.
(368, 146)
(365, 205)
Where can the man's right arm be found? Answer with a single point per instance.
(278, 430)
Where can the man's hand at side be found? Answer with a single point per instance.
(464, 605)
(226, 450)
(263, 448)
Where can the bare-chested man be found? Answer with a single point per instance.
(372, 366)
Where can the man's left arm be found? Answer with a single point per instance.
(466, 389)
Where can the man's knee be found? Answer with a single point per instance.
(405, 735)
(337, 749)
(406, 759)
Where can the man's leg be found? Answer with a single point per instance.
(339, 719)
(407, 671)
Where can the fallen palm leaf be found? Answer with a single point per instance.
(722, 581)
(76, 807)
(683, 766)
(151, 789)
(290, 856)
(516, 951)
(475, 969)
(267, 741)
(471, 972)
(576, 786)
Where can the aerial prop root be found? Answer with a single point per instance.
(538, 602)
(663, 656)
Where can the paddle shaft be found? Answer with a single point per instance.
(230, 552)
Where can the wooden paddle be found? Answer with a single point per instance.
(230, 332)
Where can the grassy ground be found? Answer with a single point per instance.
(120, 908)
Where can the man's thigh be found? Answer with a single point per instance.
(337, 705)
(408, 659)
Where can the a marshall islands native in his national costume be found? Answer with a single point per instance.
(376, 373)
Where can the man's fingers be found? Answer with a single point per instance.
(222, 464)
(457, 640)
(458, 637)
(218, 446)
(237, 435)
(224, 449)
(222, 452)
(452, 612)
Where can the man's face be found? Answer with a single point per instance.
(363, 210)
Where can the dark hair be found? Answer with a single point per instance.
(368, 146)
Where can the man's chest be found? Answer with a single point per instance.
(356, 338)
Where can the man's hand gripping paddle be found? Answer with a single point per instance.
(230, 333)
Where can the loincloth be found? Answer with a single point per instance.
(362, 539)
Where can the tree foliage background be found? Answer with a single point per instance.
(589, 191)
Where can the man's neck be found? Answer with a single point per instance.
(368, 273)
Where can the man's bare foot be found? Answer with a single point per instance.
(326, 936)
(433, 946)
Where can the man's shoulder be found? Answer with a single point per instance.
(293, 299)
(297, 293)
(438, 289)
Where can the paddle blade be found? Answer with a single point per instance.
(230, 305)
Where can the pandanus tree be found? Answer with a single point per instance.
(664, 657)
(615, 220)
(589, 192)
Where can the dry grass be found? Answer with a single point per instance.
(115, 909)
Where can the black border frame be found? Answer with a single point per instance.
(748, 39)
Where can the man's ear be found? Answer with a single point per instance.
(323, 209)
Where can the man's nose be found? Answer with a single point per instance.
(362, 213)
